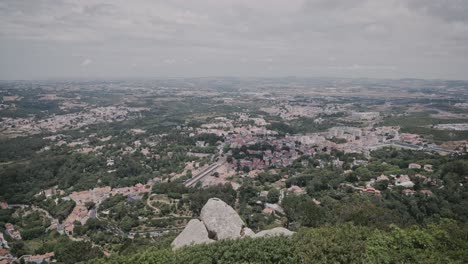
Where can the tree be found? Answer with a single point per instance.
(89, 205)
(302, 211)
(246, 193)
(273, 195)
(381, 185)
(127, 223)
(200, 196)
(75, 251)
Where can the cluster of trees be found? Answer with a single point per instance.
(341, 203)
(22, 180)
(281, 127)
(31, 225)
(338, 140)
(198, 196)
(308, 125)
(444, 242)
(26, 171)
(68, 251)
(20, 148)
(60, 209)
(123, 211)
(209, 138)
(419, 123)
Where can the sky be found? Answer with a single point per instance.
(42, 39)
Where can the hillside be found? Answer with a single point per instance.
(445, 242)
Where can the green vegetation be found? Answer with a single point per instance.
(421, 123)
(330, 204)
(60, 209)
(444, 242)
(67, 251)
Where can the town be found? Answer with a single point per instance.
(94, 169)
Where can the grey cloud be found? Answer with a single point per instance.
(449, 10)
(320, 5)
(417, 38)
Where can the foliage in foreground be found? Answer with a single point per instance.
(445, 242)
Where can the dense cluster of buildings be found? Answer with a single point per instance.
(311, 109)
(284, 150)
(29, 125)
(457, 127)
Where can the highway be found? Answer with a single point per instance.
(192, 181)
(416, 147)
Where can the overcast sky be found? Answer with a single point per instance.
(148, 38)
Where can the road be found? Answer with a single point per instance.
(414, 147)
(417, 147)
(192, 181)
(156, 232)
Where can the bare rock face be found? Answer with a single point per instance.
(277, 231)
(247, 232)
(221, 220)
(194, 233)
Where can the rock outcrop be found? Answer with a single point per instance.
(194, 233)
(247, 232)
(277, 231)
(221, 220)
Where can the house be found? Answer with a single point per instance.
(110, 162)
(200, 143)
(404, 181)
(426, 192)
(420, 176)
(371, 190)
(268, 211)
(47, 257)
(316, 202)
(408, 192)
(382, 178)
(68, 229)
(9, 227)
(275, 207)
(4, 252)
(5, 255)
(3, 242)
(432, 181)
(296, 189)
(414, 166)
(10, 230)
(51, 192)
(428, 168)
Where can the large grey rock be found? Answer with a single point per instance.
(247, 232)
(221, 220)
(194, 233)
(277, 231)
